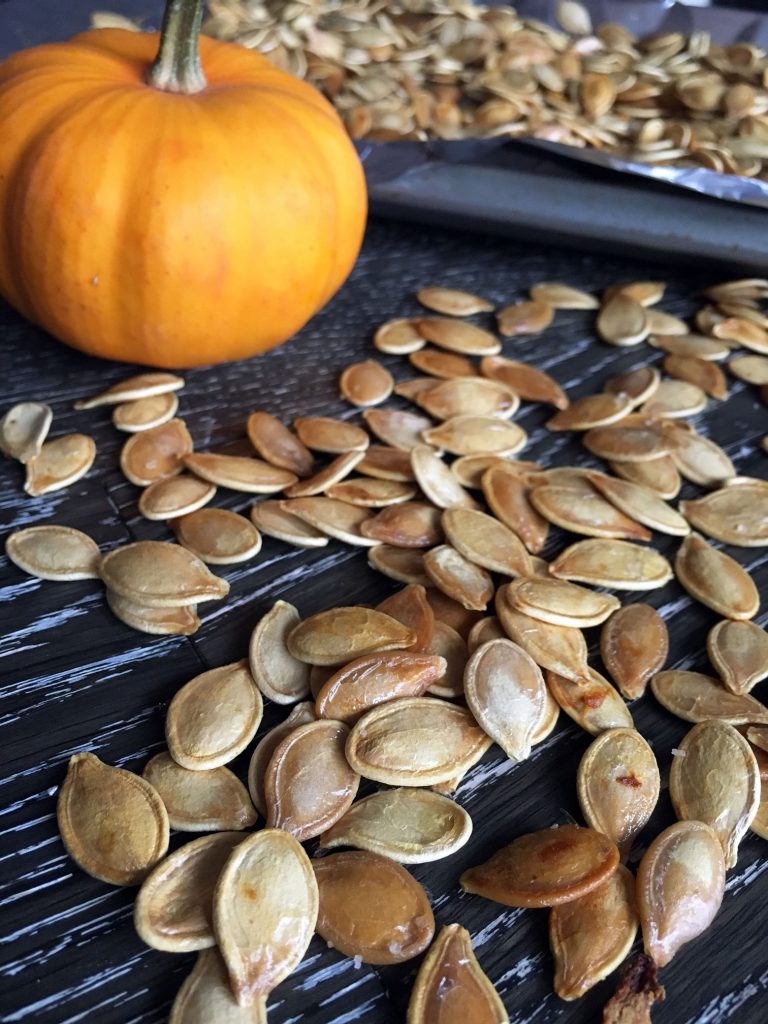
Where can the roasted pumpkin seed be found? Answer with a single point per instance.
(457, 336)
(634, 644)
(452, 301)
(715, 579)
(335, 636)
(698, 458)
(743, 332)
(411, 389)
(175, 496)
(456, 576)
(531, 316)
(322, 481)
(588, 514)
(641, 504)
(443, 365)
(239, 473)
(647, 293)
(529, 383)
(278, 445)
(160, 575)
(366, 383)
(413, 524)
(554, 294)
(437, 481)
(735, 514)
(325, 434)
(695, 697)
(271, 518)
(301, 714)
(486, 629)
(559, 648)
(335, 518)
(592, 411)
(638, 442)
(660, 322)
(410, 606)
(697, 345)
(384, 463)
(486, 542)
(170, 621)
(398, 337)
(638, 385)
(622, 321)
(156, 453)
(218, 536)
(701, 372)
(209, 800)
(54, 553)
(403, 564)
(659, 475)
(23, 430)
(751, 369)
(594, 705)
(371, 493)
(61, 462)
(617, 564)
(144, 385)
(468, 396)
(206, 995)
(448, 644)
(402, 430)
(145, 413)
(375, 679)
(675, 398)
(739, 653)
(559, 602)
(508, 496)
(472, 435)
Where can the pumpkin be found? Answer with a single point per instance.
(190, 210)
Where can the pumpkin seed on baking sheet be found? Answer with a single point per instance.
(743, 332)
(61, 462)
(594, 705)
(395, 428)
(205, 800)
(470, 469)
(622, 321)
(238, 472)
(618, 785)
(371, 493)
(679, 888)
(158, 452)
(660, 322)
(560, 603)
(385, 463)
(301, 714)
(410, 606)
(449, 645)
(145, 413)
(590, 936)
(588, 514)
(174, 906)
(646, 293)
(505, 691)
(213, 717)
(468, 396)
(280, 676)
(487, 542)
(465, 582)
(334, 518)
(366, 383)
(144, 385)
(544, 868)
(563, 296)
(634, 644)
(530, 316)
(412, 826)
(508, 496)
(412, 524)
(278, 445)
(739, 653)
(325, 434)
(675, 398)
(715, 579)
(592, 411)
(700, 346)
(437, 481)
(529, 383)
(641, 504)
(486, 629)
(638, 385)
(695, 697)
(458, 336)
(751, 369)
(441, 365)
(206, 995)
(336, 636)
(473, 435)
(452, 301)
(218, 536)
(23, 430)
(54, 553)
(403, 564)
(735, 515)
(414, 386)
(450, 965)
(415, 741)
(659, 475)
(112, 822)
(160, 575)
(271, 518)
(367, 682)
(715, 779)
(170, 621)
(701, 372)
(398, 338)
(308, 784)
(562, 649)
(174, 496)
(617, 564)
(621, 443)
(264, 912)
(333, 473)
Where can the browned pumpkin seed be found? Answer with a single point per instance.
(752, 369)
(592, 411)
(739, 653)
(384, 463)
(529, 383)
(375, 679)
(444, 365)
(413, 524)
(278, 445)
(745, 288)
(618, 785)
(145, 413)
(698, 458)
(450, 612)
(325, 434)
(735, 515)
(452, 301)
(174, 907)
(61, 462)
(622, 321)
(715, 779)
(487, 629)
(508, 496)
(271, 518)
(206, 995)
(112, 822)
(594, 705)
(144, 385)
(634, 644)
(545, 868)
(335, 518)
(410, 606)
(641, 504)
(415, 741)
(411, 389)
(301, 714)
(680, 885)
(403, 564)
(156, 453)
(437, 481)
(160, 575)
(371, 493)
(624, 443)
(54, 553)
(213, 717)
(205, 800)
(617, 564)
(531, 316)
(472, 435)
(335, 636)
(695, 697)
(280, 676)
(647, 293)
(392, 924)
(449, 645)
(563, 296)
(398, 337)
(366, 383)
(238, 473)
(743, 332)
(660, 322)
(675, 398)
(700, 372)
(175, 496)
(486, 542)
(459, 578)
(697, 345)
(23, 430)
(588, 514)
(468, 396)
(450, 966)
(412, 826)
(715, 579)
(659, 475)
(591, 935)
(638, 385)
(560, 602)
(458, 336)
(559, 648)
(264, 912)
(398, 429)
(218, 536)
(171, 621)
(335, 471)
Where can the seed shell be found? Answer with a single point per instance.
(144, 385)
(271, 518)
(739, 653)
(638, 385)
(459, 578)
(403, 564)
(24, 429)
(472, 435)
(175, 496)
(587, 514)
(561, 649)
(559, 602)
(401, 430)
(698, 346)
(531, 316)
(634, 644)
(529, 383)
(410, 607)
(468, 396)
(61, 462)
(508, 496)
(325, 434)
(715, 579)
(592, 411)
(335, 518)
(452, 301)
(617, 564)
(239, 473)
(367, 492)
(701, 372)
(659, 475)
(206, 996)
(411, 389)
(486, 542)
(170, 621)
(278, 445)
(736, 514)
(367, 383)
(458, 336)
(622, 321)
(160, 575)
(486, 629)
(554, 294)
(218, 536)
(210, 800)
(367, 682)
(333, 473)
(412, 524)
(675, 398)
(145, 413)
(698, 458)
(301, 714)
(54, 553)
(442, 365)
(594, 705)
(623, 442)
(641, 504)
(398, 337)
(280, 676)
(751, 369)
(437, 481)
(335, 636)
(158, 452)
(384, 463)
(695, 697)
(448, 644)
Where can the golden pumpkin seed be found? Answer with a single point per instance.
(23, 430)
(371, 493)
(699, 372)
(675, 398)
(715, 779)
(437, 481)
(412, 826)
(412, 388)
(743, 332)
(505, 691)
(620, 443)
(468, 396)
(545, 868)
(213, 717)
(752, 369)
(278, 445)
(634, 644)
(618, 785)
(715, 579)
(444, 365)
(54, 553)
(622, 321)
(398, 337)
(760, 821)
(415, 741)
(403, 564)
(275, 521)
(206, 996)
(486, 542)
(333, 473)
(560, 603)
(529, 383)
(218, 536)
(659, 475)
(334, 518)
(572, 477)
(758, 737)
(617, 564)
(680, 885)
(458, 336)
(324, 434)
(559, 648)
(175, 496)
(695, 697)
(384, 463)
(450, 612)
(158, 452)
(174, 906)
(301, 714)
(638, 385)
(531, 316)
(112, 822)
(592, 411)
(204, 800)
(647, 293)
(144, 385)
(335, 636)
(472, 435)
(588, 514)
(641, 504)
(735, 515)
(171, 621)
(160, 575)
(660, 322)
(264, 912)
(591, 935)
(398, 429)
(483, 631)
(594, 705)
(556, 295)
(375, 679)
(452, 302)
(239, 473)
(413, 524)
(394, 922)
(145, 413)
(459, 578)
(279, 676)
(698, 458)
(739, 653)
(697, 345)
(746, 288)
(508, 496)
(448, 644)
(450, 966)
(61, 462)
(366, 383)
(410, 606)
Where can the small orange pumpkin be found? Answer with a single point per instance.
(192, 210)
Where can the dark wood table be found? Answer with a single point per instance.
(74, 678)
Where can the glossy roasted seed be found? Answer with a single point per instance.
(412, 524)
(239, 473)
(335, 636)
(592, 411)
(334, 518)
(561, 649)
(168, 621)
(403, 564)
(456, 576)
(144, 385)
(278, 445)
(23, 430)
(376, 679)
(218, 536)
(410, 606)
(325, 434)
(638, 385)
(398, 337)
(737, 514)
(486, 542)
(584, 513)
(715, 579)
(366, 383)
(559, 602)
(472, 435)
(659, 475)
(398, 429)
(622, 321)
(695, 697)
(641, 504)
(468, 396)
(617, 564)
(440, 365)
(452, 301)
(458, 336)
(54, 553)
(145, 413)
(206, 995)
(156, 453)
(437, 481)
(531, 316)
(160, 575)
(174, 496)
(739, 653)
(528, 382)
(508, 496)
(270, 518)
(210, 800)
(300, 714)
(593, 704)
(634, 644)
(61, 462)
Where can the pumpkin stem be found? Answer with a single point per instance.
(176, 67)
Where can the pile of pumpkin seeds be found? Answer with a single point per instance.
(482, 644)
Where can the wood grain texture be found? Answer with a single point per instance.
(72, 677)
